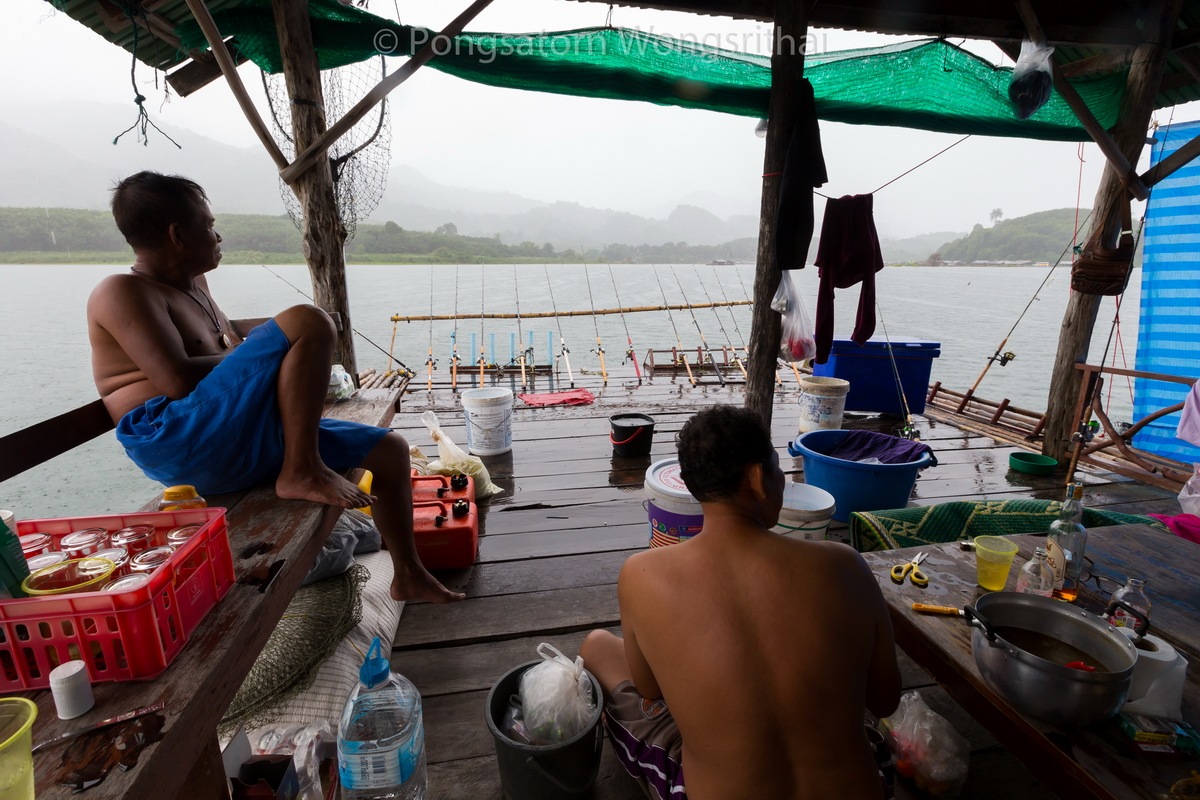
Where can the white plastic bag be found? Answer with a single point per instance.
(1032, 79)
(341, 386)
(452, 459)
(797, 342)
(556, 697)
(1189, 495)
(926, 748)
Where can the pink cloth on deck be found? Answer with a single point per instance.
(1185, 526)
(1189, 420)
(574, 397)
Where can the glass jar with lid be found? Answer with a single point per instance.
(150, 560)
(43, 560)
(85, 542)
(33, 544)
(120, 558)
(177, 536)
(135, 539)
(128, 582)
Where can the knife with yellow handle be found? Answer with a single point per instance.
(925, 608)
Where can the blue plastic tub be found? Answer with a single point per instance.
(872, 378)
(854, 486)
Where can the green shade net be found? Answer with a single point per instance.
(966, 519)
(928, 84)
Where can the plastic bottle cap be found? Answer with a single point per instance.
(71, 688)
(182, 492)
(374, 671)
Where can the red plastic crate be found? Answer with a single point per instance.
(436, 488)
(122, 636)
(451, 545)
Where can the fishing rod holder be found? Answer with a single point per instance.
(674, 360)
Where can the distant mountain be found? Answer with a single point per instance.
(915, 248)
(1043, 236)
(64, 158)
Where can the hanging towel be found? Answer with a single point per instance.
(803, 171)
(574, 397)
(1189, 420)
(847, 253)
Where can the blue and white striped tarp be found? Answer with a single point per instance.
(1169, 326)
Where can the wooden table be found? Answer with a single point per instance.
(1094, 762)
(274, 543)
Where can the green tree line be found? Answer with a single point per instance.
(1044, 236)
(64, 235)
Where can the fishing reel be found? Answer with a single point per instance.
(630, 356)
(1004, 358)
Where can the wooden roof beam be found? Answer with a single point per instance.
(315, 151)
(202, 70)
(229, 70)
(1101, 137)
(1104, 62)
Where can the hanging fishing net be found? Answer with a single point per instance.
(359, 159)
(928, 84)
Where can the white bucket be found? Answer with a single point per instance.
(674, 515)
(806, 512)
(822, 402)
(489, 420)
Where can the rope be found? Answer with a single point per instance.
(143, 121)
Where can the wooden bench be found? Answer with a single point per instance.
(274, 542)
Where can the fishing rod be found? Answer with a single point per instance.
(520, 335)
(562, 343)
(407, 372)
(680, 356)
(430, 361)
(595, 324)
(482, 308)
(703, 343)
(454, 339)
(720, 324)
(733, 318)
(778, 380)
(908, 431)
(629, 354)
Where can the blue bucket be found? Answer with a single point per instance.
(855, 486)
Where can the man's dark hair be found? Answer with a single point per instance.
(146, 204)
(715, 447)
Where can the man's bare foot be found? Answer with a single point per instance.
(413, 582)
(321, 486)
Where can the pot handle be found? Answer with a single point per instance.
(1141, 625)
(975, 619)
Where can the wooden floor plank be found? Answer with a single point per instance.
(538, 575)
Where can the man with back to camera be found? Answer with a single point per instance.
(766, 649)
(198, 399)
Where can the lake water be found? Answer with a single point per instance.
(969, 310)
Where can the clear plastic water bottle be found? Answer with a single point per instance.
(1133, 593)
(381, 738)
(1036, 577)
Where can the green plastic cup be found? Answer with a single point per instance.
(993, 560)
(16, 748)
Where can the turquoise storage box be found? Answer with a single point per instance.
(872, 381)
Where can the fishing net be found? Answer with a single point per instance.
(928, 84)
(360, 158)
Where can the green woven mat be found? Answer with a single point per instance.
(319, 615)
(962, 519)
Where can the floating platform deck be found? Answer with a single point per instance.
(552, 544)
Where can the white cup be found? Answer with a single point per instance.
(9, 519)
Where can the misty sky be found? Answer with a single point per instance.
(628, 156)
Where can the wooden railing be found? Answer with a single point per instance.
(1114, 449)
(1020, 423)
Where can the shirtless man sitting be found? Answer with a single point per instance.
(200, 400)
(766, 650)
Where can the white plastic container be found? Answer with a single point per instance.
(806, 512)
(488, 413)
(673, 513)
(822, 403)
(381, 736)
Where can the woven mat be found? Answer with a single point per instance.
(319, 615)
(963, 519)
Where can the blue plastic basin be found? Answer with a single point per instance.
(854, 486)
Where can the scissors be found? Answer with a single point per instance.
(912, 570)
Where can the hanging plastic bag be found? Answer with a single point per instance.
(341, 386)
(797, 342)
(1032, 79)
(926, 748)
(556, 697)
(453, 460)
(1189, 495)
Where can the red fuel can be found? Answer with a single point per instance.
(446, 533)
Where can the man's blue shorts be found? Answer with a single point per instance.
(227, 434)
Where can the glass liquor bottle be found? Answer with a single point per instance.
(1134, 594)
(1036, 577)
(1065, 545)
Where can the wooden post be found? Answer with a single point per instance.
(322, 233)
(1145, 75)
(787, 68)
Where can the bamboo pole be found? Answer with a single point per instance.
(787, 69)
(313, 151)
(551, 314)
(209, 28)
(1145, 76)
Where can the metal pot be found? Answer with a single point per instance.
(1022, 642)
